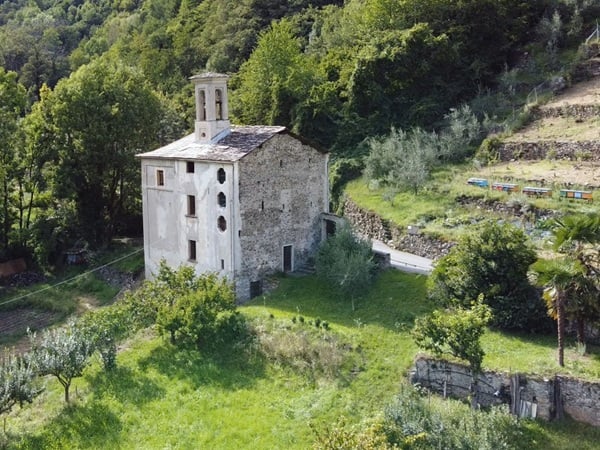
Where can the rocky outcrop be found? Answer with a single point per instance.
(373, 226)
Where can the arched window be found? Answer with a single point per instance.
(201, 105)
(222, 200)
(221, 176)
(219, 104)
(221, 223)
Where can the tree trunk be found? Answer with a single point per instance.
(560, 323)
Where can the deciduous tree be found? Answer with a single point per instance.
(345, 261)
(102, 116)
(63, 353)
(492, 260)
(456, 332)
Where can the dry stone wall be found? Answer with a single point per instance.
(569, 150)
(577, 112)
(373, 226)
(579, 399)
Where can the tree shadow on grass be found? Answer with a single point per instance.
(394, 302)
(226, 366)
(126, 385)
(92, 425)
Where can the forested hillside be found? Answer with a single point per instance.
(86, 84)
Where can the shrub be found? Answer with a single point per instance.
(192, 313)
(345, 261)
(489, 151)
(493, 260)
(415, 421)
(17, 382)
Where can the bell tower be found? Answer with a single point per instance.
(212, 109)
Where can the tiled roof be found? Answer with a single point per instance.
(237, 144)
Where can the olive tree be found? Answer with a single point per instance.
(17, 382)
(345, 262)
(63, 353)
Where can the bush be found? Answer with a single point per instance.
(17, 382)
(345, 262)
(193, 316)
(415, 421)
(488, 152)
(493, 260)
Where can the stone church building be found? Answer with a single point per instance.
(243, 201)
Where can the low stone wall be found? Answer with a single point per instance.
(570, 150)
(577, 112)
(371, 225)
(580, 399)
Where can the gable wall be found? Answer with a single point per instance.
(283, 189)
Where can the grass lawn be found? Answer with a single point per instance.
(162, 397)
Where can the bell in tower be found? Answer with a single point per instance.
(212, 112)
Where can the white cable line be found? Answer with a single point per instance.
(71, 279)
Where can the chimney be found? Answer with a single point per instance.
(212, 109)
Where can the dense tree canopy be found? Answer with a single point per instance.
(337, 72)
(100, 118)
(493, 260)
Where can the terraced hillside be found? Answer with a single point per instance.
(566, 128)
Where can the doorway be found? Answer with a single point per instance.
(288, 258)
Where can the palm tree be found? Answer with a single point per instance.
(559, 277)
(576, 235)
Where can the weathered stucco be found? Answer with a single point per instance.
(168, 227)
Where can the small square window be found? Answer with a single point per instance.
(191, 205)
(190, 167)
(192, 250)
(160, 177)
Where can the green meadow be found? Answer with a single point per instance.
(164, 397)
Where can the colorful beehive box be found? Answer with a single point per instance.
(505, 187)
(534, 191)
(577, 195)
(481, 182)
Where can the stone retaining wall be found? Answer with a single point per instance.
(372, 226)
(570, 150)
(577, 112)
(580, 399)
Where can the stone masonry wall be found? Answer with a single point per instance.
(589, 150)
(372, 226)
(577, 112)
(580, 399)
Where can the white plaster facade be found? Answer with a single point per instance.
(242, 201)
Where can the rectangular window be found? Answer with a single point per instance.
(190, 166)
(222, 264)
(160, 177)
(192, 250)
(191, 205)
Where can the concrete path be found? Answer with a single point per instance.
(407, 262)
